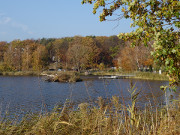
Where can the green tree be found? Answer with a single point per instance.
(155, 20)
(114, 51)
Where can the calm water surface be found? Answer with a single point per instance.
(22, 94)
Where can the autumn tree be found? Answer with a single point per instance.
(109, 49)
(155, 20)
(8, 58)
(29, 47)
(83, 52)
(77, 56)
(13, 55)
(3, 46)
(135, 58)
(127, 59)
(39, 57)
(104, 46)
(48, 43)
(60, 49)
(17, 54)
(104, 50)
(93, 50)
(142, 56)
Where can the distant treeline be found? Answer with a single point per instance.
(72, 53)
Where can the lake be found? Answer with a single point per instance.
(20, 94)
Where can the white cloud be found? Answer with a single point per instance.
(5, 20)
(22, 27)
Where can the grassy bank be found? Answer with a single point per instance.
(21, 73)
(111, 118)
(35, 73)
(150, 76)
(137, 75)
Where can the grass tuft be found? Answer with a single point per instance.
(111, 118)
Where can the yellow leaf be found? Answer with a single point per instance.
(123, 9)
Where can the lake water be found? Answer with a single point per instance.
(23, 94)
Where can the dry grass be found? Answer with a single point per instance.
(64, 77)
(21, 73)
(112, 118)
(151, 76)
(137, 75)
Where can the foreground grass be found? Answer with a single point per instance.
(111, 118)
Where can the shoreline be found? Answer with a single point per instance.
(136, 75)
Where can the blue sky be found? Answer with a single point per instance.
(27, 19)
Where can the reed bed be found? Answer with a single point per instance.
(100, 118)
